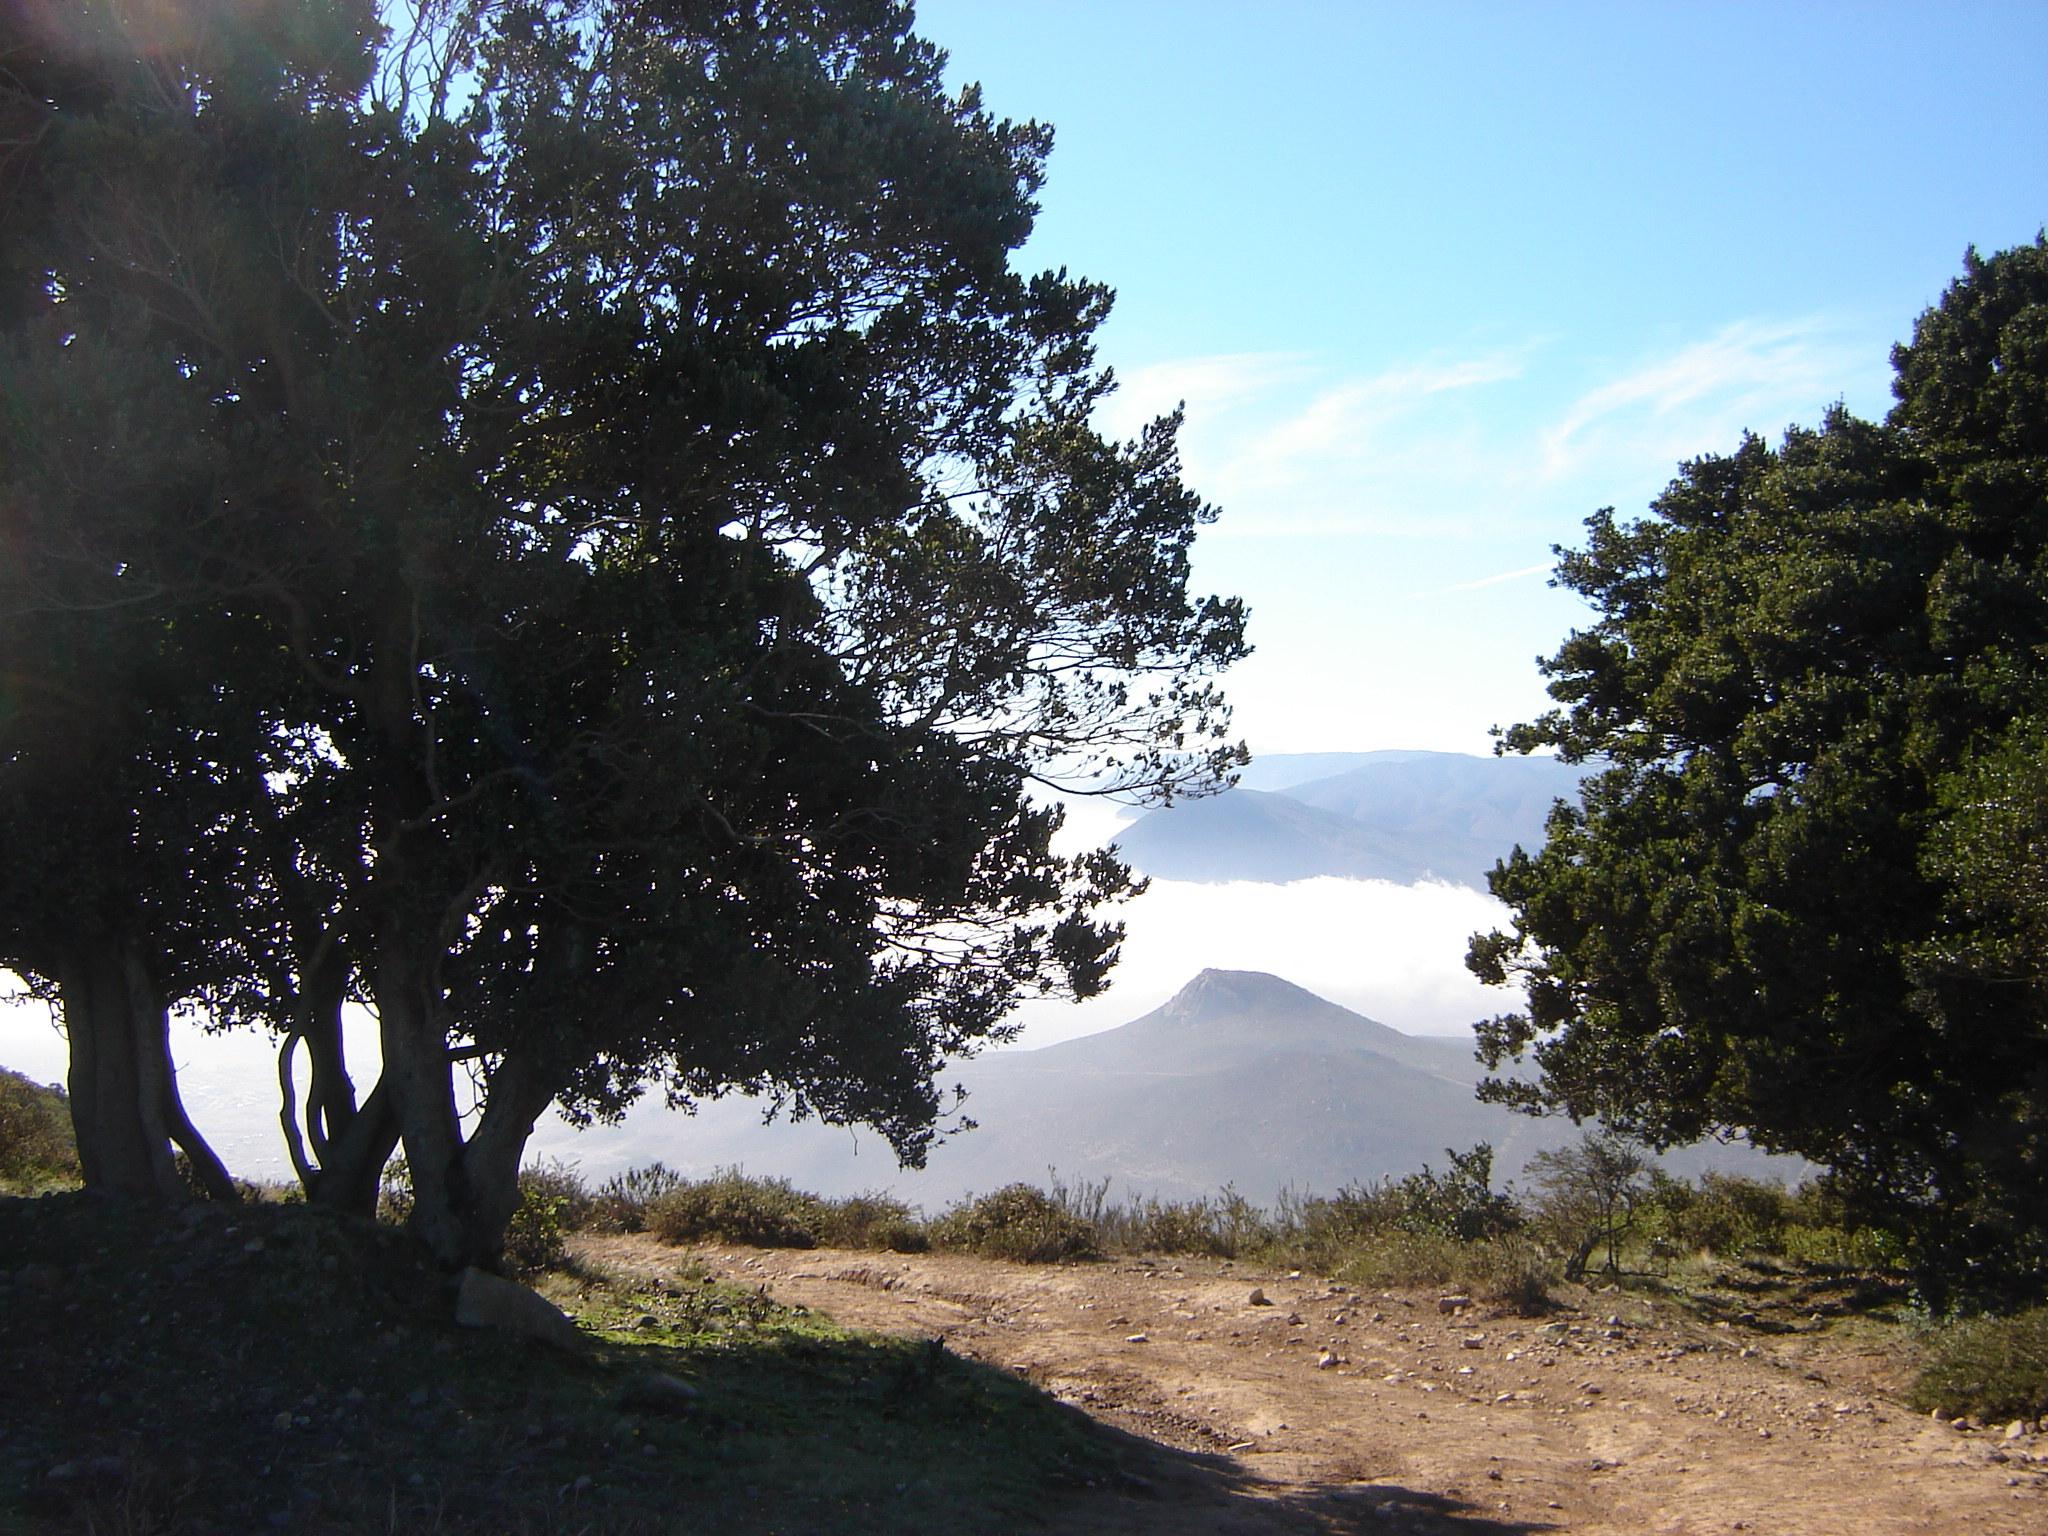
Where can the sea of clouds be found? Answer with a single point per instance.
(1394, 953)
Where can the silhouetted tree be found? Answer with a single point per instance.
(1803, 900)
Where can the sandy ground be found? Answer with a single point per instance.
(1328, 1409)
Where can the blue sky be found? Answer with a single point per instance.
(1436, 281)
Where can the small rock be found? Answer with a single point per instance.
(646, 1321)
(1258, 1297)
(88, 1468)
(1137, 1338)
(1326, 1361)
(1452, 1303)
(1473, 1341)
(1294, 1320)
(490, 1301)
(657, 1392)
(2016, 1430)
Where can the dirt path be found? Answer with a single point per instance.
(1328, 1409)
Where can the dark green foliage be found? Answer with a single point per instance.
(734, 1207)
(1803, 897)
(36, 1149)
(560, 521)
(1460, 1202)
(1993, 1368)
(1723, 1214)
(1018, 1223)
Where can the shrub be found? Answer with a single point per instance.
(1162, 1226)
(1589, 1195)
(36, 1147)
(872, 1221)
(394, 1192)
(1515, 1274)
(1224, 1226)
(534, 1238)
(560, 1182)
(1327, 1231)
(1726, 1215)
(733, 1208)
(622, 1201)
(1508, 1272)
(1839, 1247)
(1019, 1223)
(1460, 1202)
(1992, 1367)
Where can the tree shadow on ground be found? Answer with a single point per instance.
(272, 1368)
(1164, 1491)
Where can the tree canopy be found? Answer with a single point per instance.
(1803, 898)
(569, 530)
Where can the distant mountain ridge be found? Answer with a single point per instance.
(1398, 816)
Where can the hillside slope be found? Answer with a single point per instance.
(1398, 816)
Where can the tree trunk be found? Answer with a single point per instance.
(464, 1193)
(340, 1151)
(126, 1112)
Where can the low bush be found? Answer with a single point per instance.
(1724, 1214)
(731, 1207)
(1508, 1272)
(1019, 1223)
(1995, 1368)
(1225, 1227)
(552, 1203)
(1843, 1247)
(36, 1147)
(872, 1221)
(394, 1192)
(622, 1201)
(1460, 1202)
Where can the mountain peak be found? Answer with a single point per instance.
(1216, 993)
(1248, 998)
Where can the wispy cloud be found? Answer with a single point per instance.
(1500, 579)
(1477, 444)
(1290, 447)
(1751, 375)
(1210, 387)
